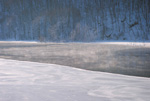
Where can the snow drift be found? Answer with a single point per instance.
(29, 81)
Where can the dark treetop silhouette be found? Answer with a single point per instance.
(75, 20)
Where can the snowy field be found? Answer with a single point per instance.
(30, 81)
(130, 58)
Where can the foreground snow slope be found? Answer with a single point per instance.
(29, 81)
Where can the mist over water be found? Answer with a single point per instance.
(78, 21)
(115, 58)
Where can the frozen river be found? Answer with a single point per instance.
(123, 58)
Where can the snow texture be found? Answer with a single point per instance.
(29, 81)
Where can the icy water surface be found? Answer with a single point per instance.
(123, 58)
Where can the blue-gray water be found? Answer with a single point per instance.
(128, 58)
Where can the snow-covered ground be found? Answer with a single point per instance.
(27, 42)
(30, 81)
(145, 44)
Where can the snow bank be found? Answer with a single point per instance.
(18, 42)
(145, 44)
(29, 81)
